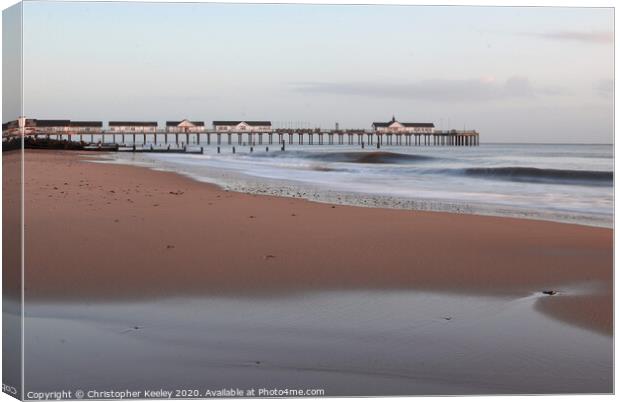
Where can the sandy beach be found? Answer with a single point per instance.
(103, 232)
(162, 279)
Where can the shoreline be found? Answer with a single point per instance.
(179, 236)
(242, 182)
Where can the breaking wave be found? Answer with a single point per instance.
(368, 157)
(531, 174)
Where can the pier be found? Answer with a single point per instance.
(186, 135)
(252, 138)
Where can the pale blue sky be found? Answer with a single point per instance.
(515, 74)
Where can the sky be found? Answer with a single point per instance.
(515, 74)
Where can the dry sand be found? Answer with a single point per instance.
(111, 232)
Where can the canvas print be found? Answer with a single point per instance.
(207, 200)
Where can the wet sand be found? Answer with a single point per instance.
(346, 342)
(101, 232)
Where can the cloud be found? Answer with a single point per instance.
(580, 36)
(484, 89)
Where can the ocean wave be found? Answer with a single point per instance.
(369, 157)
(531, 174)
(323, 168)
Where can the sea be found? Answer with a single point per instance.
(570, 183)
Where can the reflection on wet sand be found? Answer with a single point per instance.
(346, 342)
